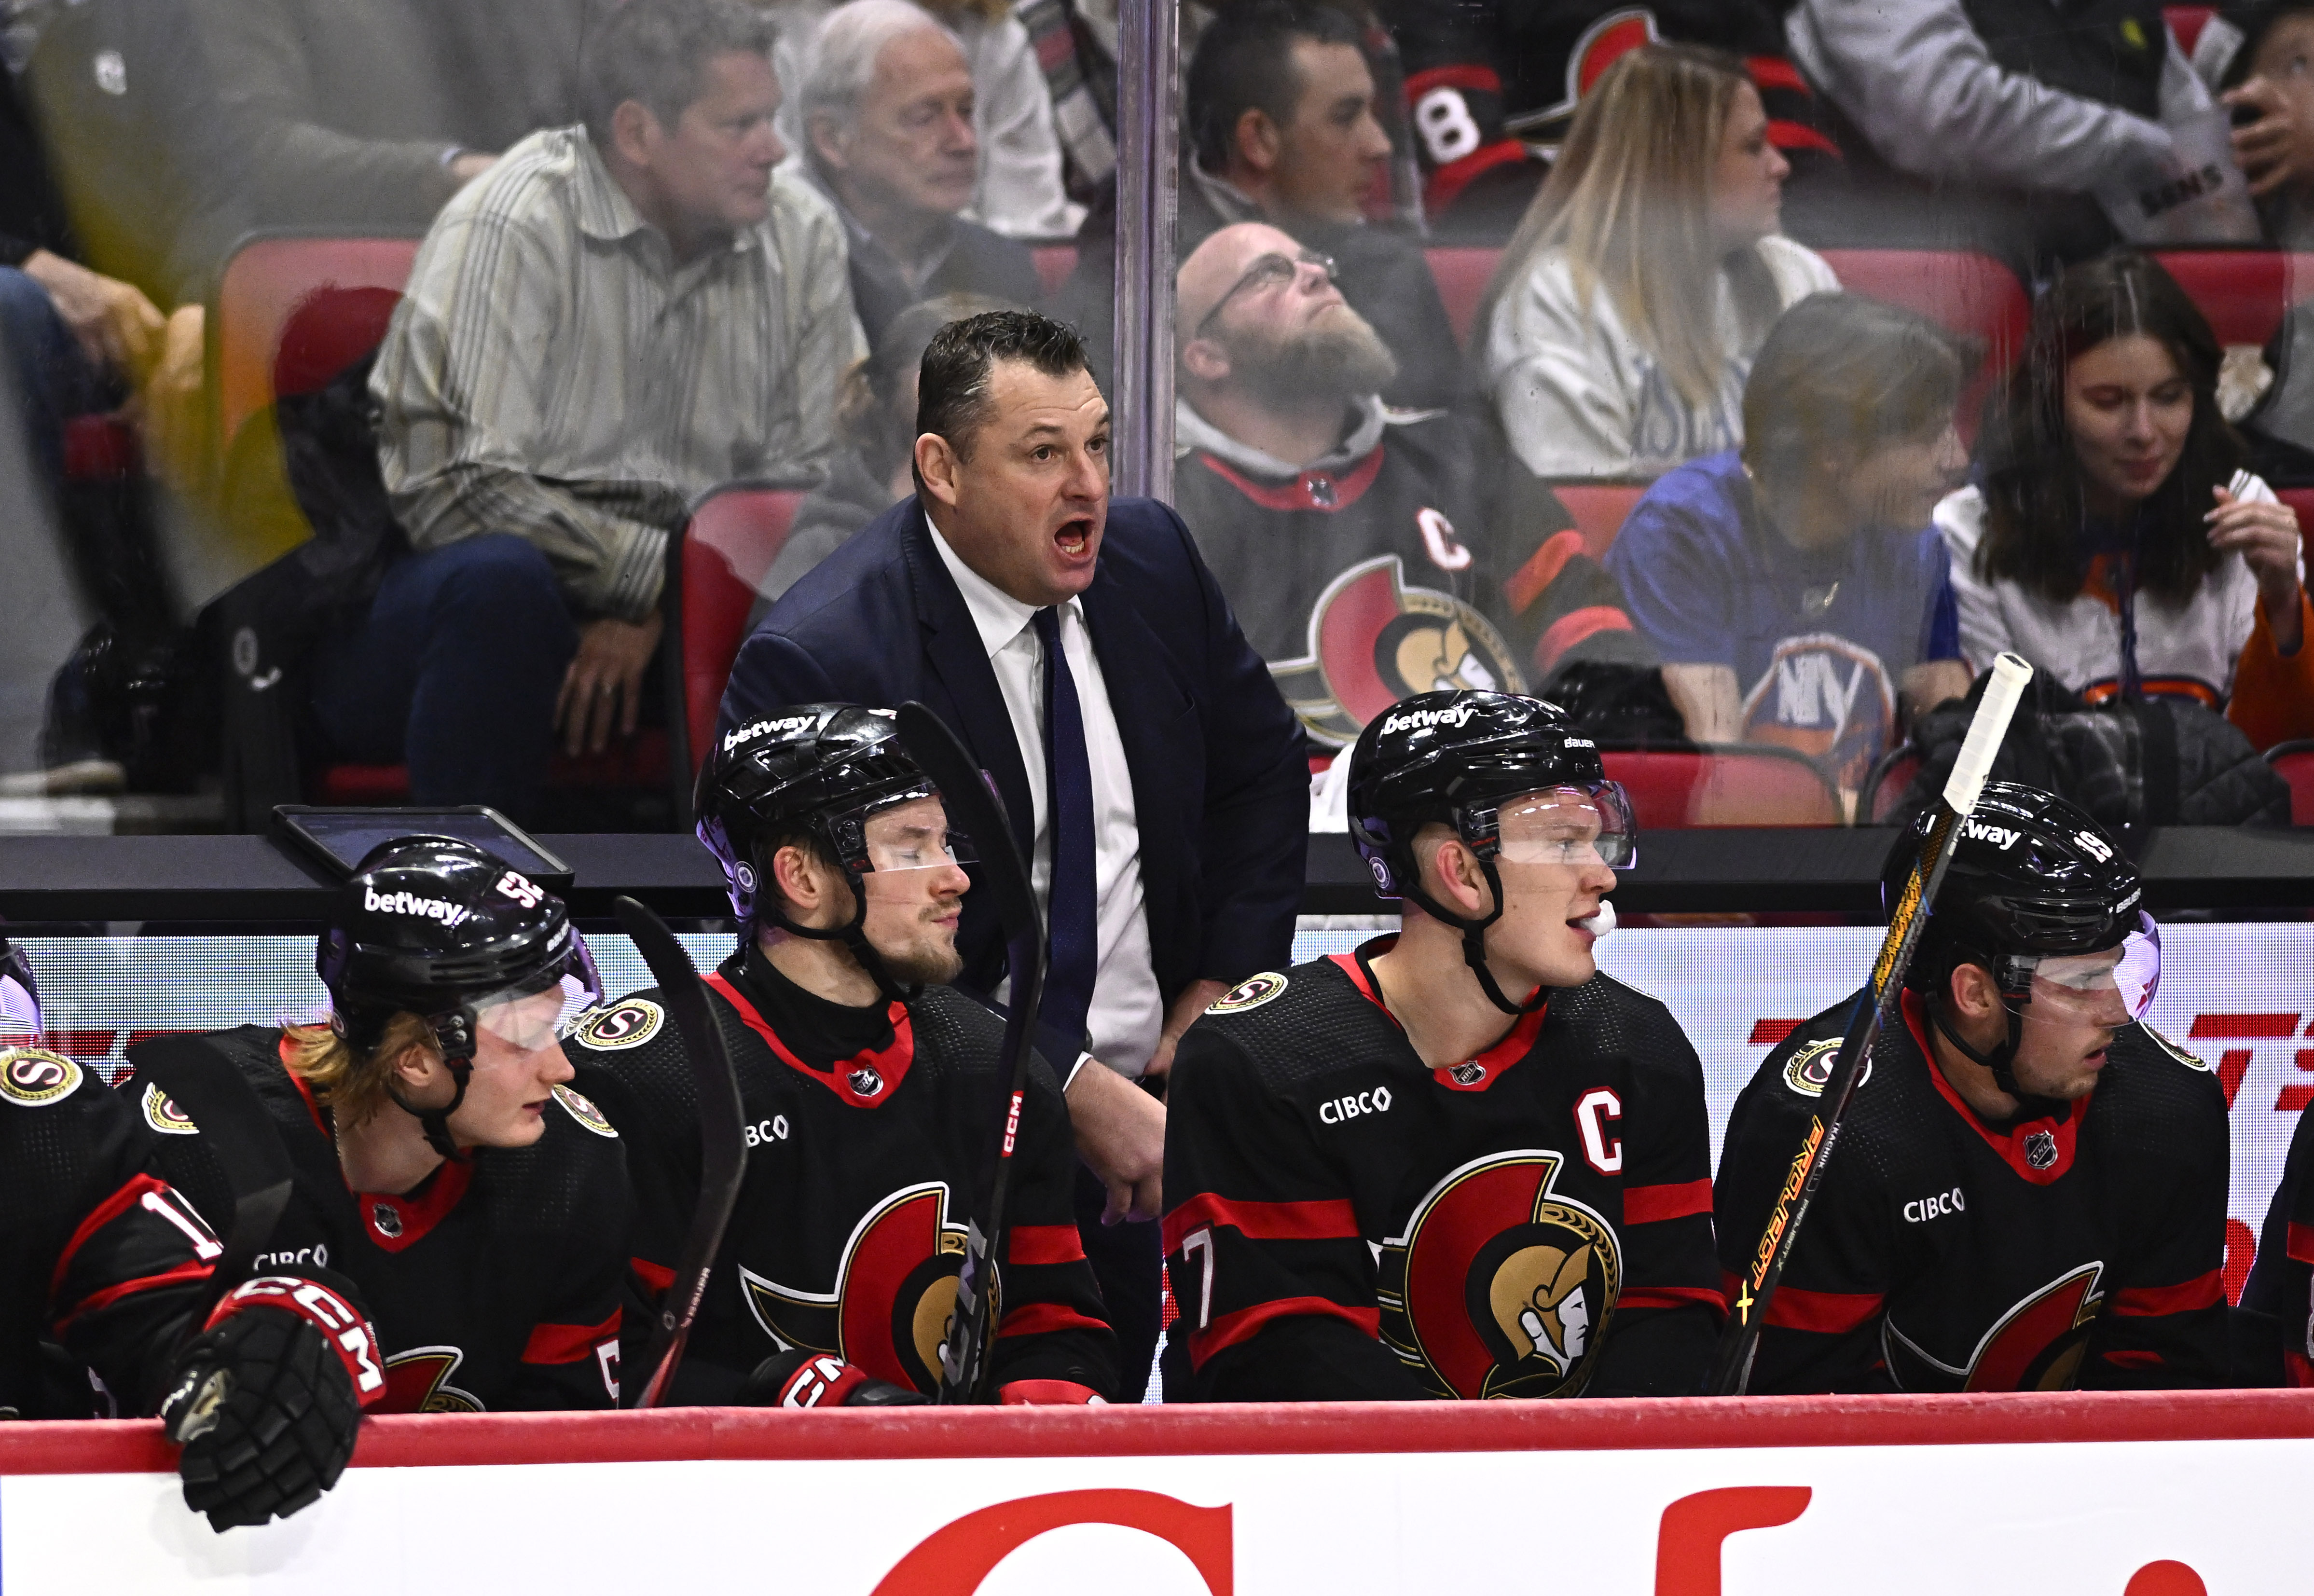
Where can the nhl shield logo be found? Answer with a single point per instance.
(1500, 1286)
(2040, 1149)
(387, 1219)
(1375, 640)
(895, 1292)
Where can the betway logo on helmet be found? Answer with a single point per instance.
(2001, 836)
(763, 729)
(1410, 719)
(409, 903)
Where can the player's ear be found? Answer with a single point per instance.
(1973, 990)
(796, 876)
(1458, 882)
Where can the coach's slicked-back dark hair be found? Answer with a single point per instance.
(953, 384)
(2033, 499)
(1244, 61)
(1844, 375)
(656, 52)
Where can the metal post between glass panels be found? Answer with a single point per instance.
(1141, 404)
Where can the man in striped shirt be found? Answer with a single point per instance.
(616, 318)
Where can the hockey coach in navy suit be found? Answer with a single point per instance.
(1081, 651)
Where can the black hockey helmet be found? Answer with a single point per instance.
(1460, 758)
(821, 770)
(449, 931)
(2033, 885)
(20, 994)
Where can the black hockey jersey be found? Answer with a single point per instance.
(2281, 1281)
(495, 1285)
(1490, 82)
(1366, 577)
(864, 1166)
(1349, 1223)
(97, 1254)
(2081, 1247)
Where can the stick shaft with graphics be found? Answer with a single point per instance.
(973, 810)
(723, 1140)
(1907, 918)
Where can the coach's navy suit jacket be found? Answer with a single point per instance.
(1220, 781)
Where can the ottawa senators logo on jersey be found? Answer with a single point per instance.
(895, 1292)
(35, 1077)
(1602, 44)
(2037, 1345)
(1500, 1287)
(162, 1113)
(418, 1381)
(1375, 640)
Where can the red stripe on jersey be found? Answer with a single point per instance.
(2297, 1369)
(1773, 72)
(1822, 1313)
(1311, 491)
(1331, 1219)
(1653, 1205)
(1799, 135)
(1045, 1393)
(1230, 1329)
(657, 1276)
(1461, 74)
(2299, 1243)
(2132, 1357)
(568, 1344)
(2203, 1291)
(414, 1218)
(1543, 568)
(1042, 1318)
(889, 1062)
(1575, 625)
(1044, 1244)
(1673, 1296)
(1517, 1043)
(113, 1294)
(1447, 183)
(127, 1197)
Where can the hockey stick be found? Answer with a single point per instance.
(1756, 1287)
(973, 810)
(722, 1139)
(212, 1092)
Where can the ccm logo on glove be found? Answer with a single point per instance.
(350, 1335)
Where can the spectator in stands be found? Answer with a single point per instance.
(1280, 126)
(1020, 193)
(1347, 536)
(1797, 588)
(2111, 538)
(370, 114)
(873, 467)
(1620, 324)
(614, 319)
(888, 101)
(1993, 127)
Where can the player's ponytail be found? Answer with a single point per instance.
(350, 1083)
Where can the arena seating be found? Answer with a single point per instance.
(1886, 785)
(1600, 510)
(264, 284)
(2243, 292)
(735, 533)
(2294, 762)
(1054, 263)
(1676, 788)
(1461, 271)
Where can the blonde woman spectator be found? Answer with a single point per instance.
(1624, 317)
(2113, 540)
(1020, 193)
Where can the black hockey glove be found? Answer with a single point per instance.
(800, 1379)
(266, 1399)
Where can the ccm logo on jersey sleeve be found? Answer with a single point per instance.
(1351, 1106)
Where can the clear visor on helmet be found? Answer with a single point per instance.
(906, 838)
(530, 1014)
(2114, 987)
(19, 994)
(1569, 825)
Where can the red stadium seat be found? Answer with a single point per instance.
(2187, 21)
(1967, 293)
(263, 285)
(1600, 510)
(735, 533)
(1054, 263)
(2295, 764)
(1887, 783)
(2243, 292)
(1461, 271)
(1677, 789)
(2300, 499)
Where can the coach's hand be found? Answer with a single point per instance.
(1121, 1135)
(604, 684)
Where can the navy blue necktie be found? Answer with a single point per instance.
(1071, 906)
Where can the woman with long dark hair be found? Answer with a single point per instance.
(2112, 537)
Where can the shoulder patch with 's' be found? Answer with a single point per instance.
(1809, 1071)
(162, 1113)
(35, 1077)
(584, 1111)
(1251, 993)
(628, 1023)
(2173, 1050)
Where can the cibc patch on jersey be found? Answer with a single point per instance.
(161, 1114)
(895, 1292)
(584, 1111)
(1500, 1286)
(629, 1023)
(1251, 993)
(36, 1078)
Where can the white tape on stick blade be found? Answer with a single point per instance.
(1993, 712)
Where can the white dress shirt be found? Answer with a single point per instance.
(1127, 1010)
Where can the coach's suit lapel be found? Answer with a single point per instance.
(974, 707)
